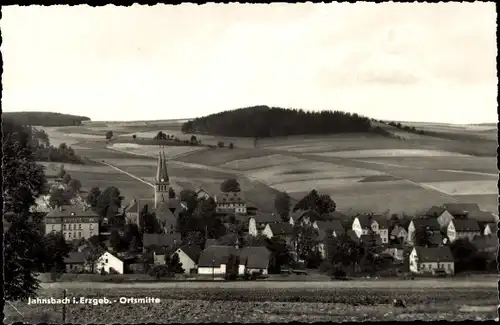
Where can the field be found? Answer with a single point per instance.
(361, 172)
(271, 302)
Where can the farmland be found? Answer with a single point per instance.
(274, 302)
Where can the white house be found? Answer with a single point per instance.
(400, 234)
(441, 214)
(258, 222)
(459, 228)
(254, 259)
(490, 229)
(431, 225)
(283, 229)
(430, 259)
(188, 256)
(109, 262)
(378, 224)
(214, 259)
(230, 201)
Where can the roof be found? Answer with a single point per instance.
(460, 208)
(75, 258)
(137, 205)
(435, 211)
(165, 212)
(466, 225)
(482, 216)
(485, 242)
(433, 224)
(161, 240)
(255, 257)
(326, 226)
(396, 230)
(436, 238)
(266, 217)
(216, 255)
(193, 251)
(229, 197)
(366, 219)
(434, 254)
(210, 242)
(352, 235)
(364, 238)
(72, 211)
(282, 228)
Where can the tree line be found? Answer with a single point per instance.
(44, 151)
(45, 118)
(264, 121)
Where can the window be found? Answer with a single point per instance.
(79, 234)
(91, 226)
(69, 234)
(64, 226)
(80, 226)
(106, 260)
(74, 234)
(53, 227)
(449, 266)
(90, 234)
(69, 227)
(64, 234)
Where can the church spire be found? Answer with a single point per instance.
(161, 171)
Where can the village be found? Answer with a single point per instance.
(161, 236)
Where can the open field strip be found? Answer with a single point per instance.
(260, 162)
(51, 168)
(465, 187)
(126, 173)
(152, 151)
(392, 153)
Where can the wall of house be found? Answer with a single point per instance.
(187, 262)
(413, 261)
(487, 231)
(356, 227)
(411, 233)
(220, 270)
(267, 232)
(72, 231)
(451, 232)
(75, 268)
(252, 227)
(158, 259)
(444, 219)
(467, 234)
(108, 261)
(384, 235)
(257, 270)
(448, 267)
(241, 269)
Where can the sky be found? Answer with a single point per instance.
(396, 61)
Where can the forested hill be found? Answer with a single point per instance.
(263, 121)
(45, 118)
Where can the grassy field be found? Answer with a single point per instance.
(273, 302)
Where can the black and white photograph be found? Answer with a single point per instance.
(250, 163)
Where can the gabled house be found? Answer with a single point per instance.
(152, 241)
(459, 228)
(490, 229)
(202, 194)
(483, 216)
(430, 259)
(254, 259)
(430, 225)
(188, 256)
(441, 214)
(75, 262)
(73, 221)
(461, 209)
(109, 263)
(230, 202)
(396, 252)
(282, 229)
(377, 223)
(214, 259)
(398, 234)
(259, 221)
(324, 228)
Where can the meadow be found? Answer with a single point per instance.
(273, 302)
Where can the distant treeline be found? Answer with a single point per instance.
(45, 118)
(264, 121)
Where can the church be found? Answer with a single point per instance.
(166, 208)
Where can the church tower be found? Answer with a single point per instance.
(162, 183)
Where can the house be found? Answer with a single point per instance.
(214, 259)
(352, 235)
(487, 244)
(483, 216)
(431, 225)
(441, 214)
(75, 262)
(308, 217)
(377, 223)
(324, 227)
(462, 228)
(399, 234)
(461, 209)
(396, 252)
(490, 229)
(150, 241)
(430, 259)
(259, 221)
(202, 194)
(282, 229)
(109, 263)
(159, 255)
(230, 202)
(74, 222)
(210, 242)
(188, 256)
(254, 259)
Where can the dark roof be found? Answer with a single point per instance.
(72, 211)
(193, 251)
(255, 257)
(165, 212)
(434, 254)
(433, 224)
(266, 217)
(483, 216)
(352, 235)
(161, 240)
(485, 242)
(75, 258)
(210, 242)
(282, 228)
(436, 238)
(229, 197)
(435, 211)
(136, 205)
(460, 208)
(366, 219)
(364, 238)
(325, 227)
(395, 231)
(216, 255)
(465, 225)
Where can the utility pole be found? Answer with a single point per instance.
(64, 307)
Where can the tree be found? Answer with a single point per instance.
(171, 193)
(342, 252)
(231, 145)
(371, 259)
(150, 224)
(230, 185)
(134, 137)
(204, 216)
(464, 254)
(75, 185)
(282, 204)
(66, 178)
(115, 240)
(193, 139)
(132, 237)
(422, 237)
(190, 198)
(109, 135)
(93, 196)
(322, 204)
(160, 136)
(305, 238)
(174, 264)
(59, 197)
(108, 205)
(23, 181)
(159, 271)
(61, 171)
(232, 267)
(92, 255)
(280, 254)
(56, 250)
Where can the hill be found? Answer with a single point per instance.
(264, 122)
(45, 118)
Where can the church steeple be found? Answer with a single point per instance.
(162, 183)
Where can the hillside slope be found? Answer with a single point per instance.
(45, 118)
(264, 121)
